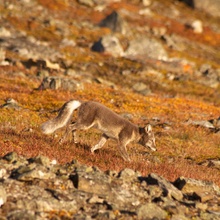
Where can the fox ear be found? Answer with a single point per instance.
(148, 128)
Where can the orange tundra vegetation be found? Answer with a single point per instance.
(180, 149)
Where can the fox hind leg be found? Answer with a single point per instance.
(101, 143)
(71, 128)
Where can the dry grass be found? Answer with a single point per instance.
(180, 149)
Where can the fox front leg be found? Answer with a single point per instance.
(123, 151)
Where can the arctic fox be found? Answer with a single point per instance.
(93, 114)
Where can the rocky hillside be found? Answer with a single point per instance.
(38, 188)
(150, 61)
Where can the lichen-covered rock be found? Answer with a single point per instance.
(151, 211)
(148, 47)
(54, 82)
(35, 188)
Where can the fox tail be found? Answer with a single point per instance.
(62, 119)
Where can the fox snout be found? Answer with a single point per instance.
(151, 144)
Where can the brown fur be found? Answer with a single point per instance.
(93, 114)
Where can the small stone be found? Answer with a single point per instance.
(155, 191)
(205, 124)
(21, 214)
(95, 199)
(112, 45)
(3, 173)
(36, 173)
(197, 26)
(98, 46)
(11, 157)
(146, 3)
(3, 196)
(43, 74)
(4, 32)
(11, 103)
(142, 88)
(70, 72)
(179, 217)
(201, 206)
(67, 42)
(54, 82)
(128, 174)
(2, 55)
(168, 188)
(113, 21)
(203, 196)
(42, 160)
(89, 3)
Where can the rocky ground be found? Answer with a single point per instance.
(37, 188)
(150, 61)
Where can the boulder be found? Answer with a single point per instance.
(114, 22)
(168, 188)
(148, 47)
(151, 211)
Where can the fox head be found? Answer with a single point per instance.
(147, 137)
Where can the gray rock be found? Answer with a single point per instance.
(68, 42)
(105, 82)
(3, 172)
(2, 56)
(151, 211)
(36, 189)
(179, 217)
(113, 21)
(168, 188)
(129, 175)
(53, 82)
(197, 26)
(21, 214)
(89, 3)
(43, 74)
(205, 124)
(42, 160)
(210, 6)
(208, 76)
(11, 157)
(188, 185)
(112, 45)
(4, 32)
(11, 103)
(148, 47)
(90, 180)
(215, 163)
(30, 49)
(142, 88)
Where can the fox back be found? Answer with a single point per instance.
(93, 114)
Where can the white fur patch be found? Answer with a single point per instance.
(52, 125)
(72, 105)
